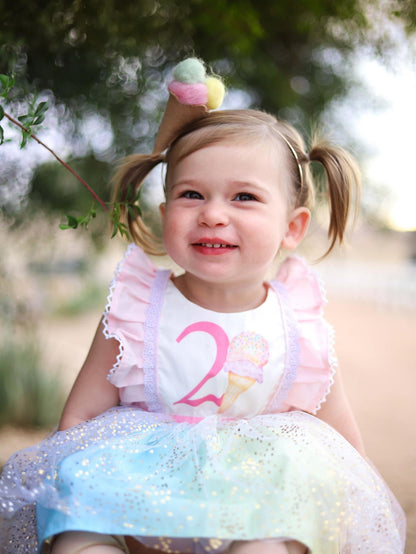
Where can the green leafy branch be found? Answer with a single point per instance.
(35, 116)
(6, 84)
(132, 207)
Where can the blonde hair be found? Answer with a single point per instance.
(343, 182)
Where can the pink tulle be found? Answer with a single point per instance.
(196, 94)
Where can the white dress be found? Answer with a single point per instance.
(214, 439)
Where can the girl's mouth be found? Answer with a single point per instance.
(214, 245)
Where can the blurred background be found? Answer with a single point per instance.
(345, 67)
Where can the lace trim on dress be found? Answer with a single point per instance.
(333, 364)
(292, 347)
(151, 327)
(305, 296)
(333, 360)
(107, 308)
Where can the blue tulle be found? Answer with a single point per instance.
(284, 475)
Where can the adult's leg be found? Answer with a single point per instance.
(267, 547)
(136, 547)
(295, 547)
(82, 542)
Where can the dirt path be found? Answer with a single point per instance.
(376, 350)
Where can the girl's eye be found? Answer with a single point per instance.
(192, 195)
(245, 197)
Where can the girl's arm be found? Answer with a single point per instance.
(92, 394)
(337, 412)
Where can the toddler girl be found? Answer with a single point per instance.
(210, 415)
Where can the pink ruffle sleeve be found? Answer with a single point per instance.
(124, 320)
(317, 358)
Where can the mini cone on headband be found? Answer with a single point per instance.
(191, 95)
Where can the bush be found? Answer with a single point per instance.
(29, 396)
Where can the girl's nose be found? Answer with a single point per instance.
(213, 214)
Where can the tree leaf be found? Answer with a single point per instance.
(115, 230)
(6, 84)
(25, 136)
(132, 211)
(41, 108)
(25, 120)
(1, 135)
(40, 119)
(1, 113)
(72, 223)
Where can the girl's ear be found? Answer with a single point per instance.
(296, 228)
(162, 208)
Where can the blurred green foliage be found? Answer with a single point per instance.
(110, 59)
(91, 297)
(29, 395)
(54, 189)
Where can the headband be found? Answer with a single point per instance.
(300, 170)
(192, 94)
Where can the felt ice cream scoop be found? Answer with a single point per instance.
(191, 95)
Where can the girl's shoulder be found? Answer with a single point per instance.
(303, 286)
(131, 284)
(127, 304)
(130, 290)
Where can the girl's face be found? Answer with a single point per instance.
(226, 213)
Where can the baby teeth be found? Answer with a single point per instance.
(207, 245)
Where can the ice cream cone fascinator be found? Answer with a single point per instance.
(192, 94)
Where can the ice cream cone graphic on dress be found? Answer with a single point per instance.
(191, 95)
(248, 353)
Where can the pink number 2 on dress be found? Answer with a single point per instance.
(222, 343)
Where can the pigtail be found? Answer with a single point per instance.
(127, 184)
(343, 183)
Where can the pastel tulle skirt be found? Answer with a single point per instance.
(197, 486)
